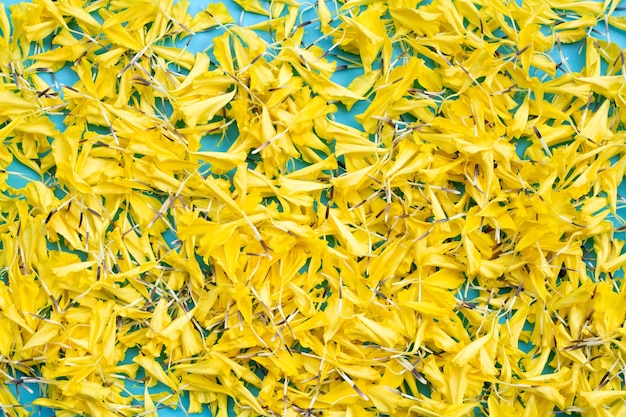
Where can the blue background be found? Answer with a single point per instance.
(20, 174)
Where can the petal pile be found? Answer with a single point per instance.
(345, 208)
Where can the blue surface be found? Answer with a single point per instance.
(19, 174)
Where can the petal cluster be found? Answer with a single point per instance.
(231, 227)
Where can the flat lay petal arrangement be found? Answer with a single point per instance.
(208, 218)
